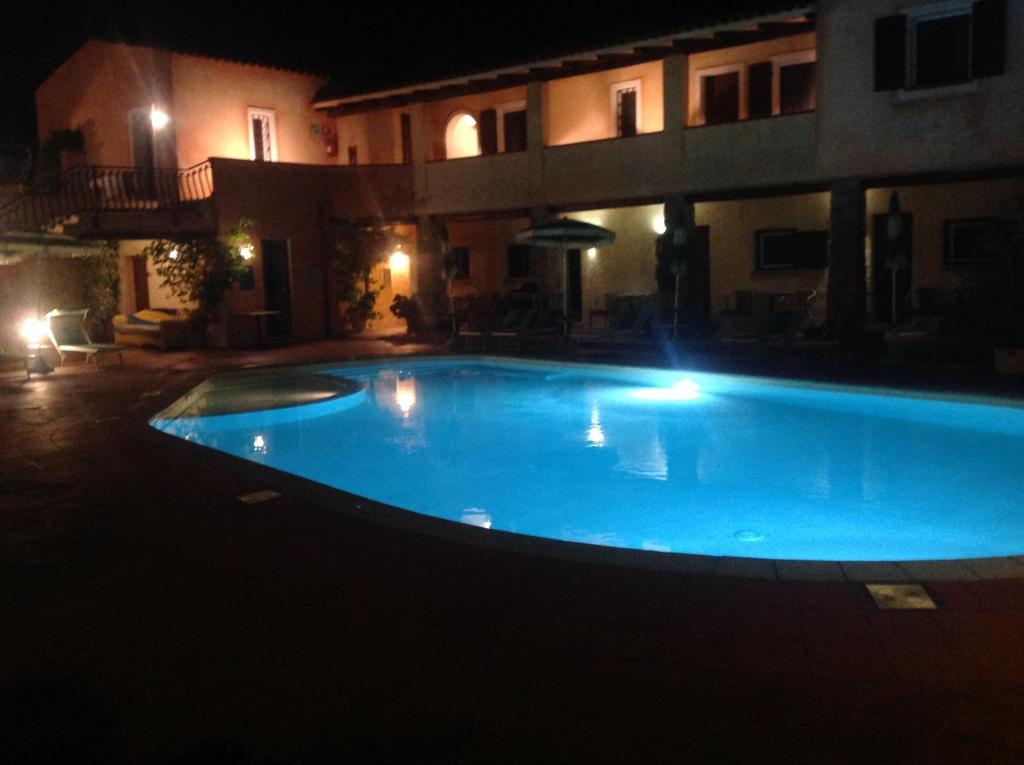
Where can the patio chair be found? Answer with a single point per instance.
(68, 334)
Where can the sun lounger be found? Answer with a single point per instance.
(68, 334)
(11, 358)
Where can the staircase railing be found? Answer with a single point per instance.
(93, 188)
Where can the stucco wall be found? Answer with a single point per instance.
(742, 55)
(488, 242)
(580, 108)
(377, 137)
(210, 102)
(931, 206)
(864, 132)
(625, 267)
(436, 113)
(733, 226)
(96, 89)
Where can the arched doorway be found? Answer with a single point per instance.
(461, 138)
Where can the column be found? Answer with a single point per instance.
(675, 88)
(535, 138)
(846, 270)
(420, 150)
(426, 277)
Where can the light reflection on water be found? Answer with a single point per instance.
(669, 463)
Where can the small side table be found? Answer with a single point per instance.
(260, 317)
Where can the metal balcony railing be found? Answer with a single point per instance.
(91, 188)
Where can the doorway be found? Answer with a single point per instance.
(140, 278)
(277, 287)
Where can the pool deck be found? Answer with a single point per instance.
(147, 613)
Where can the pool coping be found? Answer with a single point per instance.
(365, 509)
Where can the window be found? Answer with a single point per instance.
(511, 126)
(789, 248)
(720, 97)
(353, 155)
(461, 257)
(940, 49)
(626, 100)
(262, 135)
(970, 240)
(460, 136)
(944, 44)
(518, 258)
(796, 88)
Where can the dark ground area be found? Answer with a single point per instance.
(146, 615)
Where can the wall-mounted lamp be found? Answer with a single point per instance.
(157, 118)
(173, 254)
(592, 253)
(32, 331)
(246, 251)
(658, 224)
(399, 261)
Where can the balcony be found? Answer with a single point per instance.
(273, 190)
(773, 151)
(606, 171)
(492, 182)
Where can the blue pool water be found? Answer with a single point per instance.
(650, 459)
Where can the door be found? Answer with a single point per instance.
(140, 277)
(881, 274)
(574, 275)
(406, 123)
(143, 183)
(277, 287)
(626, 113)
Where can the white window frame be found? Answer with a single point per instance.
(741, 107)
(787, 59)
(932, 13)
(254, 111)
(614, 90)
(501, 110)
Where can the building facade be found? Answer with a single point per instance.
(775, 141)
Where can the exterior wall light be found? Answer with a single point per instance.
(658, 224)
(246, 252)
(592, 253)
(173, 254)
(32, 331)
(399, 261)
(158, 119)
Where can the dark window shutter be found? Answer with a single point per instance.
(627, 113)
(721, 98)
(759, 90)
(515, 131)
(989, 43)
(406, 122)
(488, 131)
(890, 52)
(796, 88)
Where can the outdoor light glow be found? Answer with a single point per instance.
(399, 261)
(658, 224)
(592, 253)
(158, 119)
(173, 254)
(476, 516)
(246, 251)
(405, 395)
(682, 390)
(33, 331)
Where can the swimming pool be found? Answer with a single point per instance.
(662, 460)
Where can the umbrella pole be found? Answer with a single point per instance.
(565, 293)
(675, 310)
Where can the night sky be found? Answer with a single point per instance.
(363, 45)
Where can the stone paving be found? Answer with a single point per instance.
(146, 615)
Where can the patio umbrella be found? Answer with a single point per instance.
(562, 235)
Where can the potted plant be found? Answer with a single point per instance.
(357, 251)
(407, 308)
